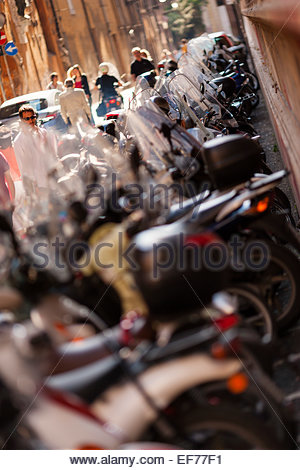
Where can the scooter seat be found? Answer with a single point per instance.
(90, 381)
(238, 48)
(205, 213)
(228, 84)
(70, 356)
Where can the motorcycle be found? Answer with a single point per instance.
(86, 404)
(109, 104)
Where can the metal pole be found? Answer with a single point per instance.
(9, 75)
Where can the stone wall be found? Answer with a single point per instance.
(38, 53)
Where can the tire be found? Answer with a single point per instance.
(223, 428)
(251, 402)
(253, 310)
(282, 198)
(278, 285)
(281, 205)
(253, 81)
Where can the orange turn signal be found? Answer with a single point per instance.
(260, 207)
(263, 205)
(238, 383)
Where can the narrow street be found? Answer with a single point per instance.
(149, 233)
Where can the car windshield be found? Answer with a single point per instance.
(12, 110)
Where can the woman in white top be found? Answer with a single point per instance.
(55, 84)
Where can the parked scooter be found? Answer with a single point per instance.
(86, 404)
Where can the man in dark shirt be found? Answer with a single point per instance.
(107, 83)
(140, 65)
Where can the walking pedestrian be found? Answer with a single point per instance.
(54, 83)
(80, 80)
(73, 104)
(35, 151)
(140, 65)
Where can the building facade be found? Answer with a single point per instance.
(105, 31)
(31, 27)
(273, 31)
(51, 35)
(221, 15)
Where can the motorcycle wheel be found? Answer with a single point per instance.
(253, 310)
(281, 205)
(253, 402)
(278, 285)
(223, 428)
(253, 81)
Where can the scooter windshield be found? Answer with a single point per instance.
(195, 96)
(159, 139)
(198, 72)
(201, 47)
(142, 93)
(192, 81)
